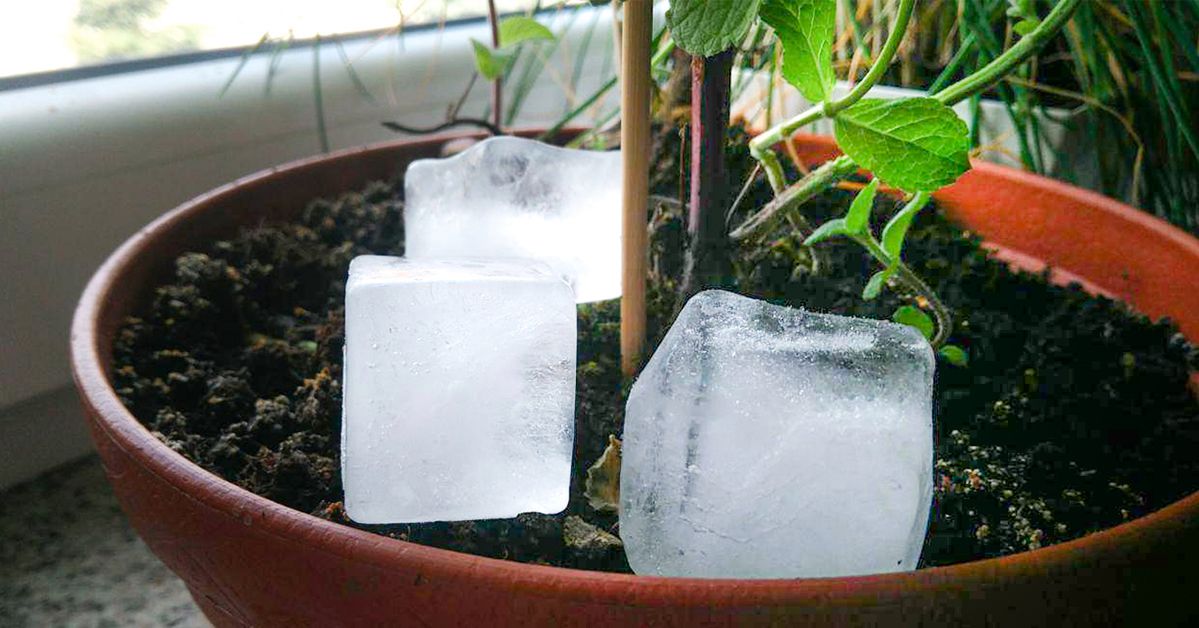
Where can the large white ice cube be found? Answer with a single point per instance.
(768, 442)
(516, 197)
(459, 389)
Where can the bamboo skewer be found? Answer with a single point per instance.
(635, 151)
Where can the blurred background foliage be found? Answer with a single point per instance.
(110, 30)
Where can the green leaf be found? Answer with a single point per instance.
(834, 227)
(490, 63)
(914, 317)
(915, 144)
(1024, 27)
(1025, 14)
(806, 30)
(897, 228)
(708, 27)
(517, 29)
(858, 218)
(876, 283)
(485, 62)
(955, 355)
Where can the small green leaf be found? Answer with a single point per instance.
(708, 27)
(915, 144)
(955, 355)
(897, 228)
(858, 218)
(1024, 27)
(1025, 14)
(488, 62)
(805, 29)
(876, 283)
(914, 317)
(834, 227)
(517, 29)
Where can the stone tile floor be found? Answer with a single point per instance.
(69, 558)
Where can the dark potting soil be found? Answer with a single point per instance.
(1073, 415)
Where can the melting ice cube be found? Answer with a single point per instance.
(763, 441)
(459, 389)
(516, 197)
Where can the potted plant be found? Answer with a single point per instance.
(1051, 115)
(251, 310)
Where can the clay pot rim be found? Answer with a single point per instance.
(230, 500)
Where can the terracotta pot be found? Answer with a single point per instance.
(250, 561)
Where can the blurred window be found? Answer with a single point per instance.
(49, 35)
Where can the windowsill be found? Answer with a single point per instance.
(77, 561)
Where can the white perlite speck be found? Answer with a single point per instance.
(459, 387)
(513, 197)
(768, 442)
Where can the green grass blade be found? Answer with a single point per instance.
(319, 96)
(353, 74)
(241, 63)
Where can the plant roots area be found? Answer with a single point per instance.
(1073, 414)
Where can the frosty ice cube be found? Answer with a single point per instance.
(459, 389)
(768, 442)
(515, 197)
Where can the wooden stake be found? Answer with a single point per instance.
(635, 149)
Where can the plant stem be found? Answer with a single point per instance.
(708, 260)
(959, 57)
(448, 124)
(913, 282)
(882, 62)
(815, 182)
(1012, 57)
(761, 146)
(497, 84)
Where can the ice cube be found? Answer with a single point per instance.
(763, 441)
(459, 389)
(516, 197)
